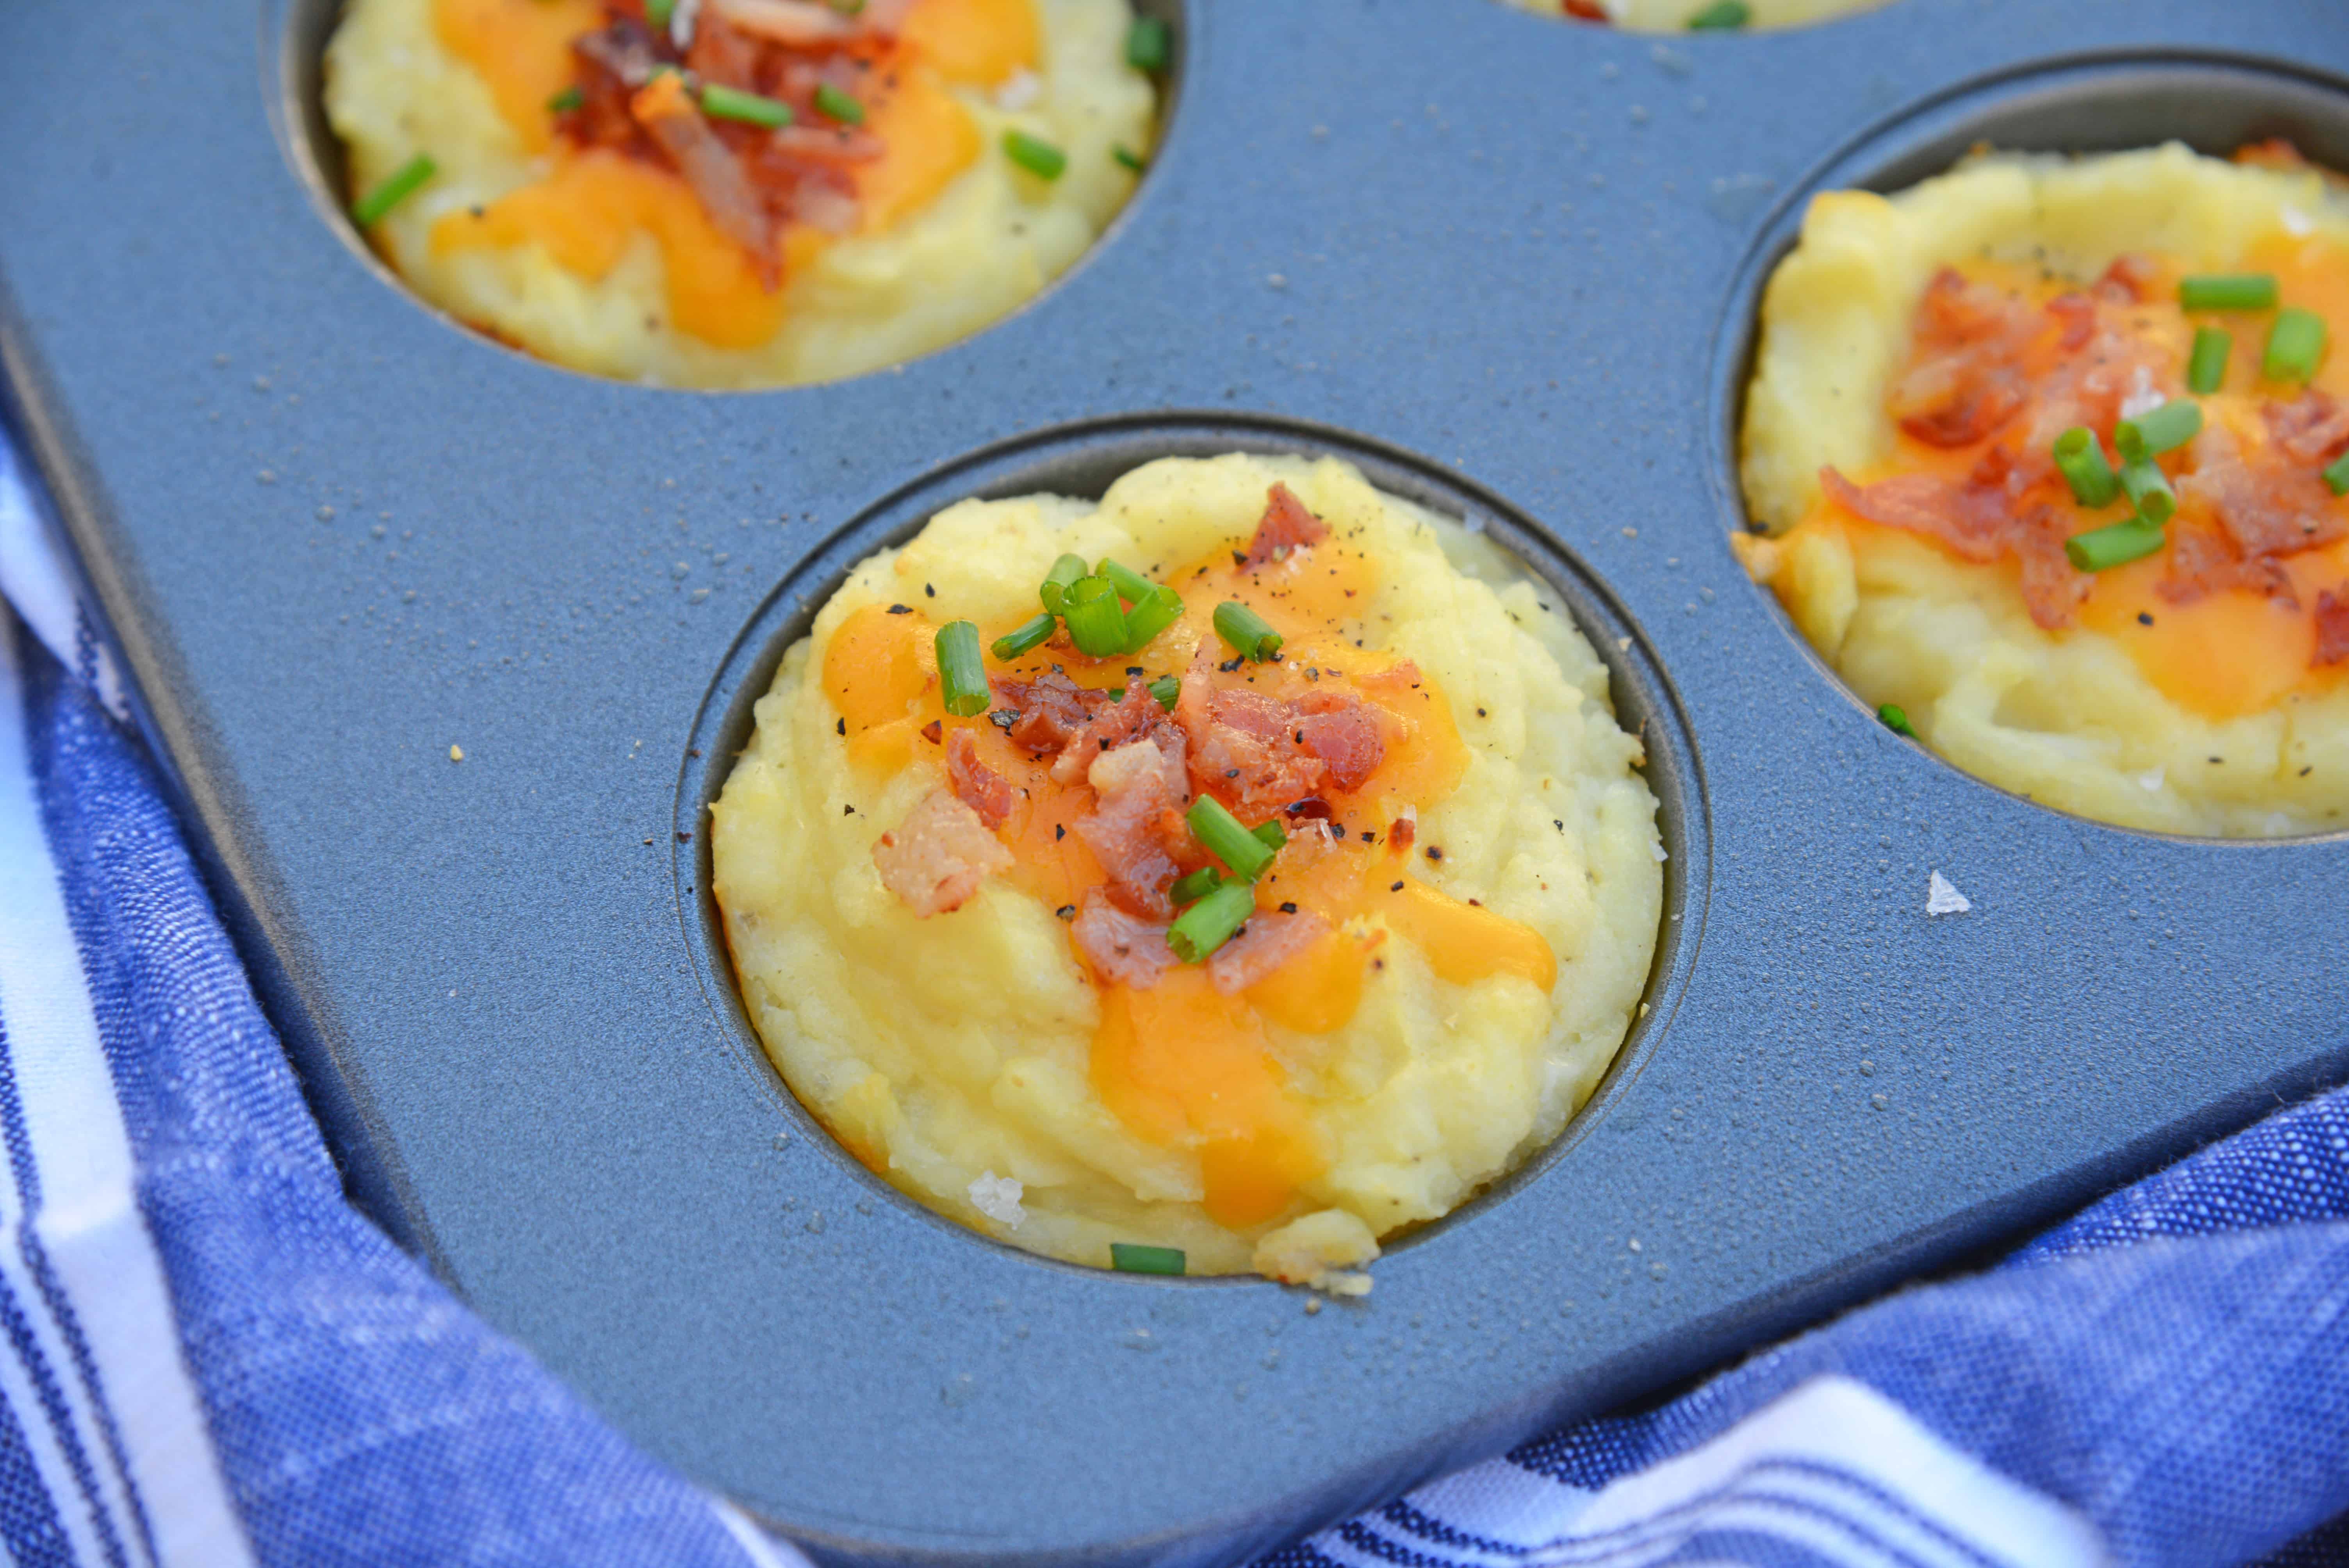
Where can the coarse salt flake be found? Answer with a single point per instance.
(2298, 224)
(1942, 897)
(998, 1198)
(1019, 89)
(2144, 396)
(2152, 778)
(680, 23)
(1661, 854)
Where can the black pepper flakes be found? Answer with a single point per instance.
(1435, 853)
(848, 810)
(2145, 617)
(901, 609)
(1059, 831)
(928, 590)
(1395, 887)
(1289, 908)
(842, 727)
(1066, 911)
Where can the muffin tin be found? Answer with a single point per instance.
(1508, 265)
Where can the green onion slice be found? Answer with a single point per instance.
(2118, 544)
(1150, 614)
(1034, 154)
(1065, 570)
(403, 183)
(2206, 372)
(1132, 1257)
(1096, 624)
(2159, 431)
(1031, 634)
(1166, 688)
(2082, 460)
(1148, 44)
(1193, 886)
(1727, 15)
(1271, 832)
(1132, 586)
(2337, 475)
(960, 673)
(831, 102)
(750, 109)
(1221, 832)
(659, 12)
(1207, 924)
(1129, 158)
(2148, 487)
(1249, 634)
(2228, 291)
(1894, 718)
(566, 100)
(2295, 344)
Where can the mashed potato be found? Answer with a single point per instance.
(605, 265)
(2157, 700)
(979, 1062)
(1672, 16)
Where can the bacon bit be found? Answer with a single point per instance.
(709, 166)
(1270, 939)
(1343, 734)
(1311, 809)
(1966, 378)
(1123, 951)
(2270, 509)
(1402, 833)
(1977, 521)
(2312, 426)
(1588, 11)
(2203, 563)
(1113, 724)
(935, 859)
(1286, 525)
(1134, 830)
(2129, 280)
(2275, 152)
(933, 731)
(2332, 628)
(976, 785)
(1051, 709)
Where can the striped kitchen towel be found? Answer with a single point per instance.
(208, 1358)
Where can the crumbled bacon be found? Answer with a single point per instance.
(1965, 377)
(1111, 726)
(1401, 833)
(1256, 774)
(1121, 949)
(809, 24)
(719, 181)
(1336, 727)
(1978, 521)
(976, 785)
(935, 859)
(2203, 563)
(1047, 711)
(1268, 940)
(2130, 280)
(2267, 510)
(1135, 829)
(2332, 628)
(1285, 526)
(2312, 426)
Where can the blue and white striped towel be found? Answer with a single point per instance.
(208, 1358)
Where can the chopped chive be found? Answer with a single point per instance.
(2295, 344)
(2206, 372)
(566, 100)
(1271, 832)
(1034, 154)
(1096, 624)
(369, 208)
(2228, 291)
(1727, 16)
(2148, 487)
(1248, 634)
(2116, 544)
(848, 7)
(1150, 614)
(1031, 634)
(1246, 855)
(832, 102)
(1209, 924)
(659, 12)
(1894, 718)
(1166, 688)
(2082, 459)
(2159, 431)
(961, 674)
(1065, 570)
(1128, 157)
(1193, 886)
(1132, 586)
(750, 109)
(1148, 44)
(1131, 1257)
(2337, 475)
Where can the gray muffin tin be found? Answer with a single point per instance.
(1505, 263)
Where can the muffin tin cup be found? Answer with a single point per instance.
(1508, 266)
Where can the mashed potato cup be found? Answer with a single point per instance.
(2047, 455)
(729, 193)
(1301, 913)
